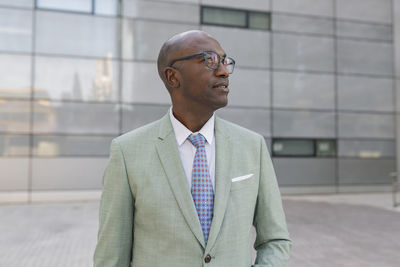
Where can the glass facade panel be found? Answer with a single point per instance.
(142, 40)
(305, 7)
(249, 87)
(76, 79)
(225, 17)
(305, 171)
(258, 20)
(297, 52)
(141, 84)
(365, 171)
(361, 57)
(15, 30)
(363, 30)
(14, 116)
(255, 56)
(15, 76)
(167, 11)
(55, 173)
(106, 7)
(367, 148)
(75, 118)
(325, 148)
(302, 24)
(366, 125)
(70, 5)
(76, 34)
(303, 90)
(307, 124)
(293, 148)
(52, 146)
(362, 10)
(14, 145)
(18, 3)
(14, 174)
(255, 119)
(365, 93)
(134, 116)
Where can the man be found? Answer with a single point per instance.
(186, 190)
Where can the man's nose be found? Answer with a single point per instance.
(222, 71)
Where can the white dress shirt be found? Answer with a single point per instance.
(187, 150)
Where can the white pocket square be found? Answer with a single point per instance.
(241, 178)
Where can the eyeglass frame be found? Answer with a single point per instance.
(204, 53)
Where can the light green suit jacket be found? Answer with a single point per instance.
(148, 217)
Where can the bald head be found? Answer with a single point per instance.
(176, 47)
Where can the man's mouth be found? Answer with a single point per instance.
(222, 86)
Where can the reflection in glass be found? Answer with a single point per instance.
(51, 146)
(14, 116)
(222, 16)
(15, 30)
(15, 76)
(70, 5)
(79, 35)
(76, 79)
(18, 3)
(367, 148)
(14, 145)
(106, 7)
(326, 148)
(75, 118)
(134, 116)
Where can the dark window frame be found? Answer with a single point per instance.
(247, 17)
(314, 141)
(92, 12)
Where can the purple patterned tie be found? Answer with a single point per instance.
(202, 190)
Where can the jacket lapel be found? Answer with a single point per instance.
(169, 156)
(222, 180)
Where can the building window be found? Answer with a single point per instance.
(99, 7)
(325, 148)
(259, 20)
(235, 18)
(303, 147)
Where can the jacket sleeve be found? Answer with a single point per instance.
(272, 242)
(115, 236)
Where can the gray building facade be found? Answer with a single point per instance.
(317, 78)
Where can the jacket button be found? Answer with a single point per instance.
(207, 259)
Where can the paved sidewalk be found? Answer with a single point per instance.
(327, 230)
(361, 230)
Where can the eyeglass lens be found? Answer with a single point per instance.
(213, 60)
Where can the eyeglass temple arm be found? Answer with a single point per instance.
(183, 58)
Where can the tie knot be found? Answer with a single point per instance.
(197, 140)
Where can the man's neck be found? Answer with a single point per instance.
(193, 121)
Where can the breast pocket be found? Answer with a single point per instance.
(243, 182)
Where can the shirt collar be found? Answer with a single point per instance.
(182, 133)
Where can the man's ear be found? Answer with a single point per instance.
(172, 77)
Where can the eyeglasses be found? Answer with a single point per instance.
(212, 60)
